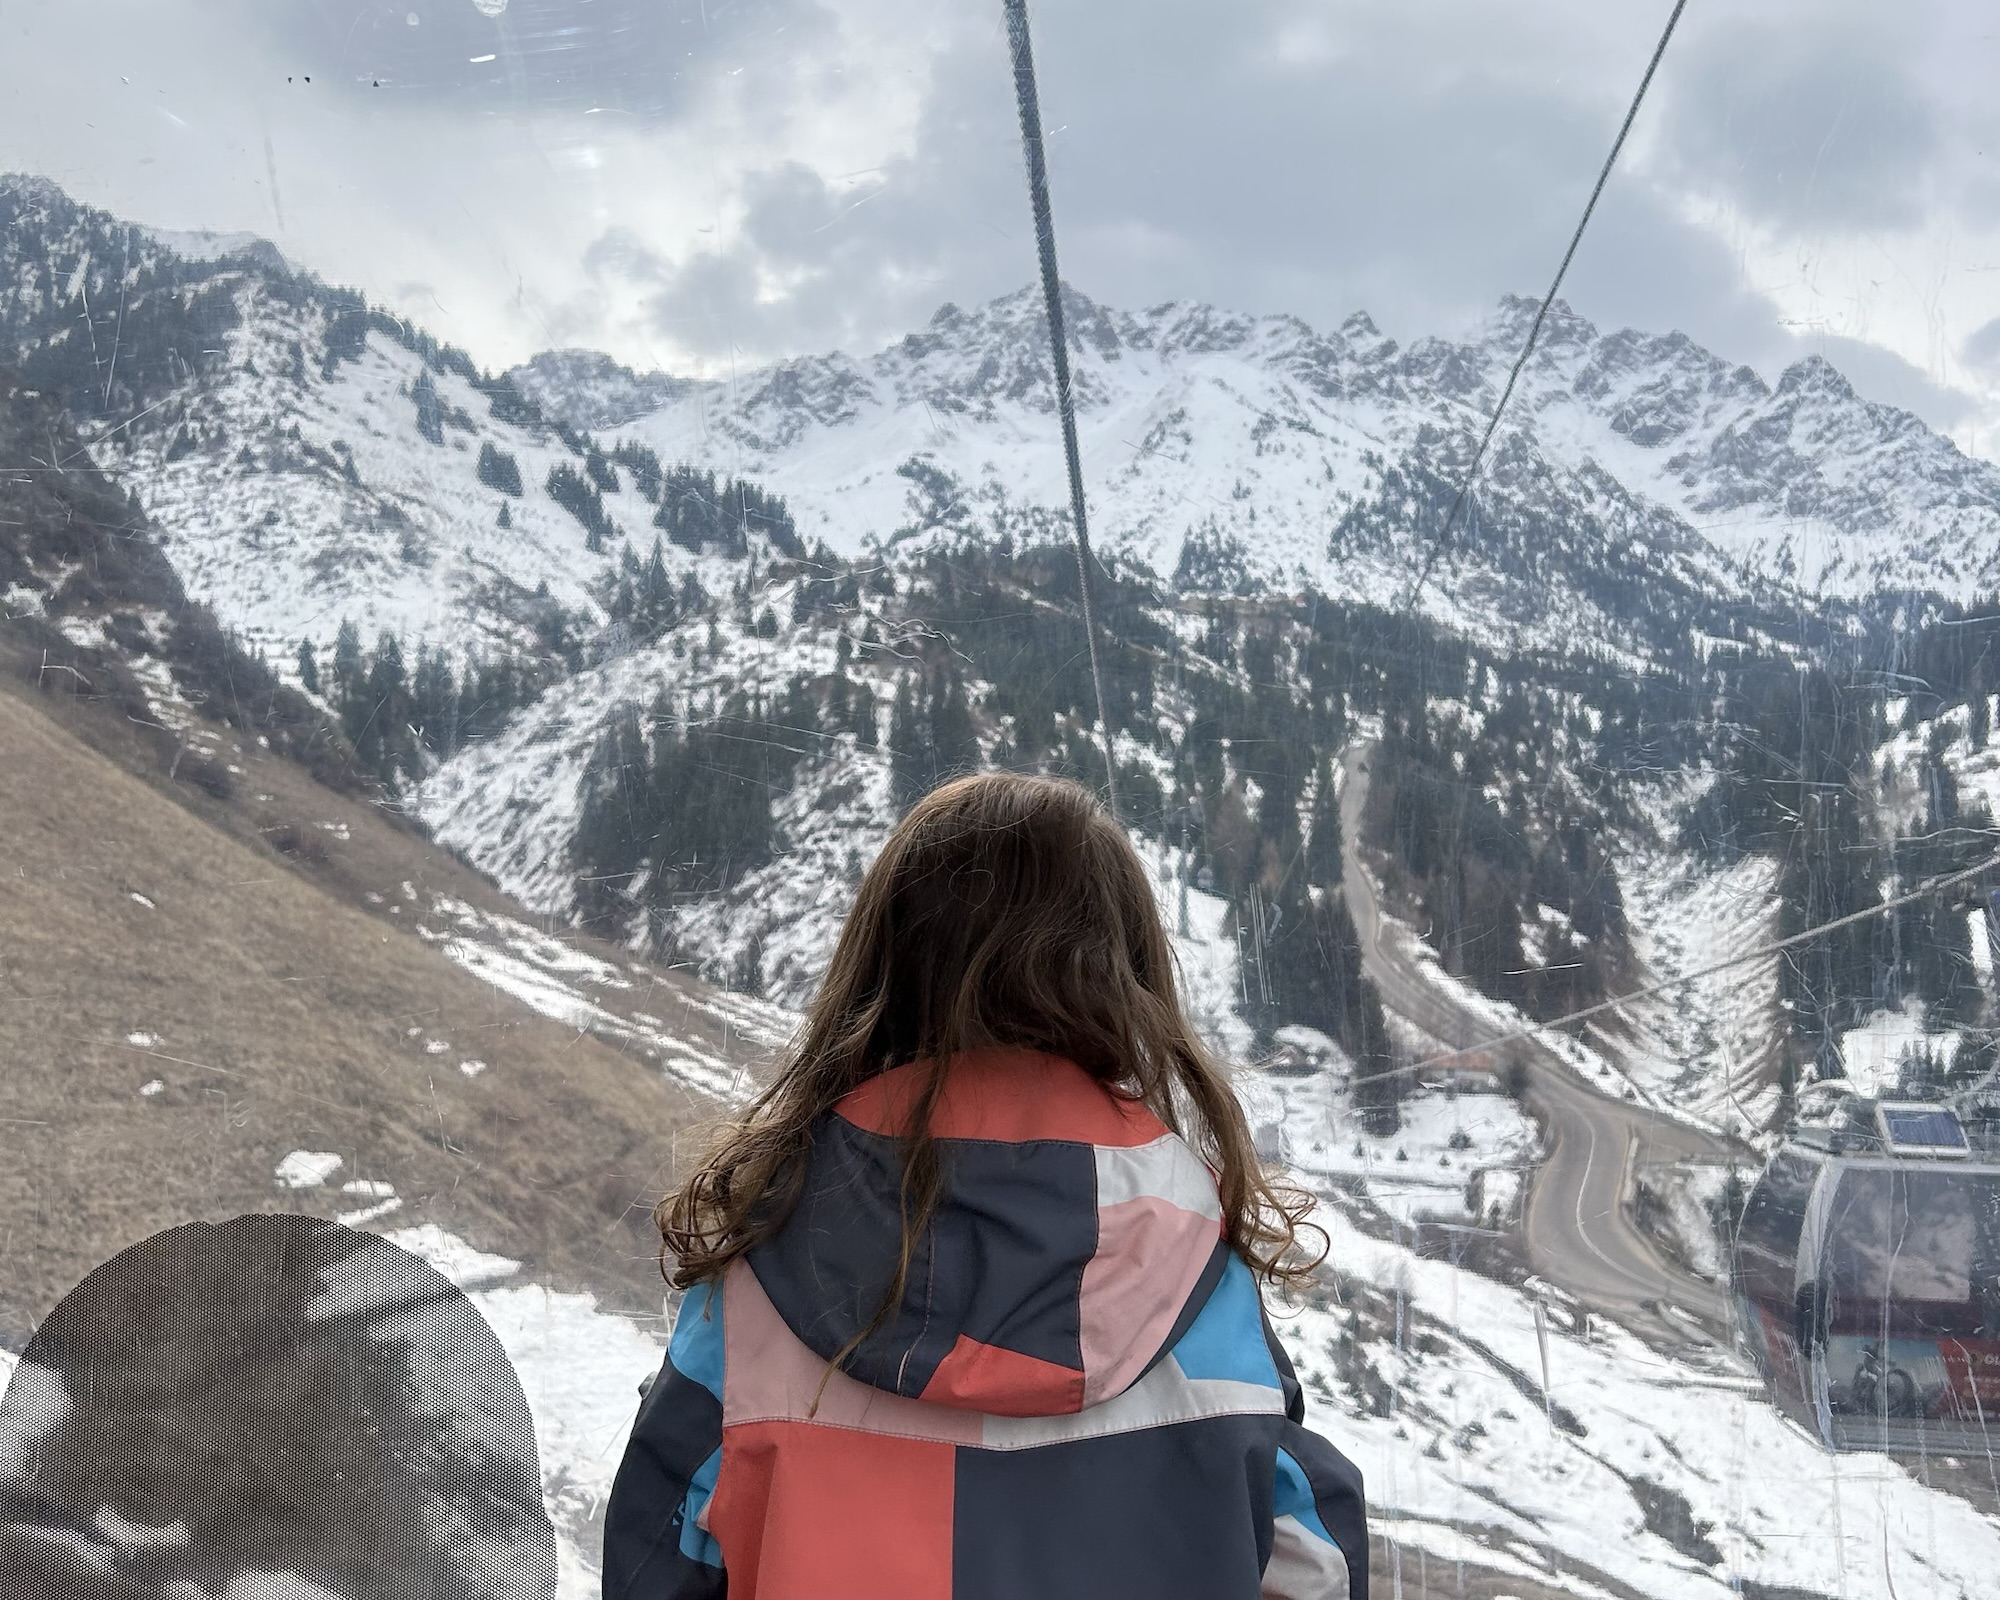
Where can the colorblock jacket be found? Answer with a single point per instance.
(1078, 1397)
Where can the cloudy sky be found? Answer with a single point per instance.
(697, 184)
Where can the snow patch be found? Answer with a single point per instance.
(307, 1169)
(1873, 1052)
(453, 1257)
(368, 1214)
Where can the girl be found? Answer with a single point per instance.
(972, 1301)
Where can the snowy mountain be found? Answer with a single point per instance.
(720, 700)
(283, 448)
(1270, 435)
(1270, 493)
(315, 461)
(590, 390)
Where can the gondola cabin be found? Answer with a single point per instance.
(1867, 1280)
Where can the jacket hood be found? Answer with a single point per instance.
(1075, 1238)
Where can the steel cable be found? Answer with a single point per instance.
(1542, 311)
(1045, 239)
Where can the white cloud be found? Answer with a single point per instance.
(709, 184)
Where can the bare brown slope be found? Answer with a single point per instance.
(285, 1020)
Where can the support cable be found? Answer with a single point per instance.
(1542, 311)
(1045, 239)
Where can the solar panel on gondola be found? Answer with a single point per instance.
(1910, 1129)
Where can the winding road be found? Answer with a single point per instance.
(1577, 1230)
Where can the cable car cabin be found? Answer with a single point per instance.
(1867, 1280)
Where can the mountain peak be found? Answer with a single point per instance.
(1815, 375)
(590, 390)
(1561, 326)
(33, 186)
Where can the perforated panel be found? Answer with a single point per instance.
(272, 1408)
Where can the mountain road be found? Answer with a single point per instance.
(1575, 1223)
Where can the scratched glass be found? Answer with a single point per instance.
(505, 503)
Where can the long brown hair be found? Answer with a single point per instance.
(1003, 911)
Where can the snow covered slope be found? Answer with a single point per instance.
(309, 462)
(293, 501)
(511, 804)
(304, 465)
(1266, 433)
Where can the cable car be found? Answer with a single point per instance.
(1866, 1273)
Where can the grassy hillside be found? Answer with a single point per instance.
(141, 945)
(219, 947)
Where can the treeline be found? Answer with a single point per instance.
(647, 599)
(1247, 792)
(931, 735)
(166, 332)
(1302, 953)
(1520, 902)
(402, 718)
(699, 513)
(1797, 783)
(1952, 659)
(677, 803)
(584, 500)
(1014, 614)
(100, 315)
(695, 510)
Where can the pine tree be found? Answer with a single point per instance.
(863, 720)
(434, 703)
(1379, 1086)
(655, 601)
(797, 718)
(1323, 863)
(909, 754)
(580, 498)
(430, 415)
(498, 469)
(347, 657)
(644, 465)
(616, 824)
(601, 472)
(377, 713)
(506, 517)
(308, 667)
(954, 742)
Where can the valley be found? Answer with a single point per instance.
(432, 794)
